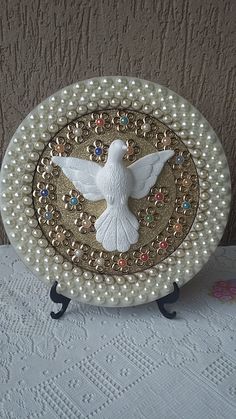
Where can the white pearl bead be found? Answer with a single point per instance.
(50, 251)
(32, 222)
(77, 271)
(115, 101)
(67, 275)
(58, 259)
(39, 145)
(136, 105)
(87, 275)
(29, 212)
(27, 200)
(98, 278)
(67, 266)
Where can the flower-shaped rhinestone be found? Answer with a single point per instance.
(47, 169)
(181, 160)
(85, 222)
(78, 131)
(60, 147)
(143, 256)
(177, 227)
(73, 200)
(158, 196)
(163, 243)
(186, 205)
(132, 150)
(100, 122)
(60, 236)
(78, 251)
(99, 260)
(166, 140)
(187, 182)
(44, 192)
(48, 215)
(121, 262)
(148, 217)
(145, 127)
(98, 151)
(124, 121)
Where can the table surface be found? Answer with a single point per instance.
(118, 362)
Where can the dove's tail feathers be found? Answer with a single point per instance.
(117, 229)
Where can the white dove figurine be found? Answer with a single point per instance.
(117, 227)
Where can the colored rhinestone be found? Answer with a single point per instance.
(144, 257)
(124, 120)
(74, 200)
(60, 237)
(98, 151)
(146, 127)
(122, 263)
(159, 196)
(178, 227)
(186, 205)
(179, 159)
(48, 215)
(163, 245)
(60, 148)
(149, 218)
(44, 192)
(166, 141)
(86, 223)
(100, 122)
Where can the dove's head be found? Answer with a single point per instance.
(117, 150)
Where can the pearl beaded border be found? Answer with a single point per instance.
(58, 110)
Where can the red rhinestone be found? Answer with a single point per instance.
(122, 263)
(144, 257)
(159, 196)
(100, 122)
(163, 245)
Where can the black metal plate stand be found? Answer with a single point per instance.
(168, 299)
(61, 299)
(58, 298)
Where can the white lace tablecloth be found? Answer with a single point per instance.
(118, 363)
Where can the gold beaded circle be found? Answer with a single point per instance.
(165, 215)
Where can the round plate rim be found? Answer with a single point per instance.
(166, 110)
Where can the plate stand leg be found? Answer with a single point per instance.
(168, 299)
(58, 298)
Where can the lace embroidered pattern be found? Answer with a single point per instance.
(115, 363)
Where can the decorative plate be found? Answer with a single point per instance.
(53, 207)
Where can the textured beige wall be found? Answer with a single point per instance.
(187, 45)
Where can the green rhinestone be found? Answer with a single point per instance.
(149, 218)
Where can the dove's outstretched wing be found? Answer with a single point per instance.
(146, 170)
(83, 175)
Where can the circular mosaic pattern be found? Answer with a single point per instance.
(51, 224)
(165, 215)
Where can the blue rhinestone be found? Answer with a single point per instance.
(186, 205)
(48, 215)
(74, 200)
(98, 151)
(124, 120)
(179, 160)
(44, 192)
